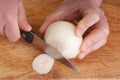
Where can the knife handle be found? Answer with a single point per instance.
(28, 36)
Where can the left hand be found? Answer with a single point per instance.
(92, 17)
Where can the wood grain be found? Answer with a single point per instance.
(16, 58)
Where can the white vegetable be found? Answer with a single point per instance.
(43, 63)
(61, 35)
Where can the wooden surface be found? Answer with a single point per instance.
(16, 58)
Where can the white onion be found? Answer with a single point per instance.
(43, 63)
(61, 35)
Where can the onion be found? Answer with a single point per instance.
(61, 35)
(43, 63)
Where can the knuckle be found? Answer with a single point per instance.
(90, 20)
(106, 32)
(95, 17)
(91, 42)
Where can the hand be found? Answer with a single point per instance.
(90, 16)
(12, 18)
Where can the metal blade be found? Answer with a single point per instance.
(69, 64)
(51, 51)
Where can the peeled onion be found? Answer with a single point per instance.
(61, 35)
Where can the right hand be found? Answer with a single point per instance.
(90, 18)
(12, 18)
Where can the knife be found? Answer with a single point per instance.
(32, 38)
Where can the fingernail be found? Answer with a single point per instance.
(28, 26)
(81, 56)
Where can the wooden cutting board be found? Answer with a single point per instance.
(16, 58)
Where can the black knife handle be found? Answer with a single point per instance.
(28, 36)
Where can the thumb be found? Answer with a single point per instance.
(87, 21)
(22, 20)
(55, 16)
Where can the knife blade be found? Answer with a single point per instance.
(31, 37)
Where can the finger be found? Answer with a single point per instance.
(97, 37)
(11, 29)
(101, 30)
(87, 21)
(91, 39)
(92, 48)
(22, 20)
(50, 19)
(59, 16)
(64, 12)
